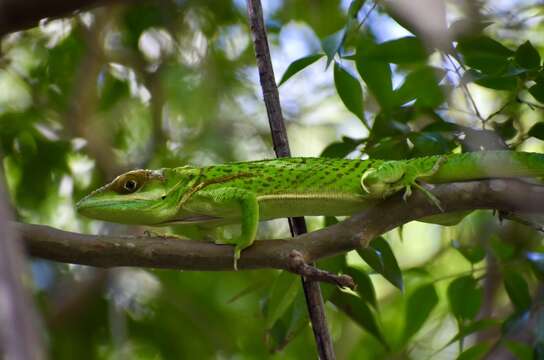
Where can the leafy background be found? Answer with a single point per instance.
(162, 84)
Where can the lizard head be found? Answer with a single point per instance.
(145, 197)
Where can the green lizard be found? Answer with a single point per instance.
(248, 192)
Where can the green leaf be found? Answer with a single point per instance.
(430, 143)
(332, 44)
(390, 270)
(359, 311)
(391, 148)
(537, 131)
(507, 83)
(349, 89)
(355, 7)
(421, 84)
(527, 56)
(339, 149)
(501, 249)
(472, 328)
(418, 308)
(483, 53)
(399, 51)
(372, 258)
(520, 350)
(299, 65)
(365, 288)
(517, 290)
(474, 254)
(475, 352)
(506, 129)
(377, 77)
(283, 293)
(465, 297)
(335, 264)
(289, 325)
(537, 90)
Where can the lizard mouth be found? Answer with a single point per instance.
(191, 219)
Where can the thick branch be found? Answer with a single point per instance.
(357, 231)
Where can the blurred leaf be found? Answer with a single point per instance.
(483, 53)
(372, 258)
(476, 352)
(517, 290)
(377, 77)
(388, 124)
(472, 328)
(506, 129)
(111, 91)
(501, 249)
(473, 254)
(465, 297)
(332, 44)
(419, 306)
(527, 56)
(421, 84)
(330, 220)
(359, 311)
(520, 350)
(391, 148)
(537, 90)
(335, 264)
(399, 51)
(381, 259)
(508, 83)
(355, 7)
(299, 65)
(289, 325)
(350, 91)
(339, 149)
(430, 143)
(365, 288)
(537, 131)
(283, 293)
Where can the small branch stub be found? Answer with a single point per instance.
(298, 266)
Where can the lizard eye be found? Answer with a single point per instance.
(130, 185)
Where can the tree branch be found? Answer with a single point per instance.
(357, 231)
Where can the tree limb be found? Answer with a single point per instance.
(357, 231)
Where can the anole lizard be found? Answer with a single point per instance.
(248, 192)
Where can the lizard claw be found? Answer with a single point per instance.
(430, 196)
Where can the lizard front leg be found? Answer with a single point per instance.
(245, 204)
(393, 176)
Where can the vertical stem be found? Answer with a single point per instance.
(19, 336)
(312, 290)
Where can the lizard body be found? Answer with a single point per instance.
(247, 192)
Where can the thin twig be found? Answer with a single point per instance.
(312, 291)
(465, 89)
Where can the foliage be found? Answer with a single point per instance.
(162, 84)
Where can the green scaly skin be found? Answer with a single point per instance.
(248, 192)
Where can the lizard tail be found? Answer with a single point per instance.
(486, 164)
